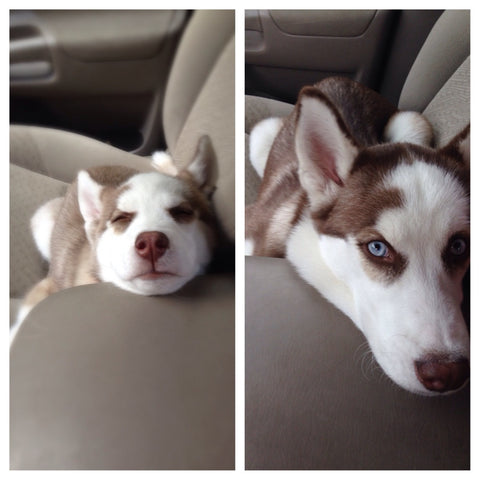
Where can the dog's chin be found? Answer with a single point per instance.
(153, 283)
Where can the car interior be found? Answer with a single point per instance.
(313, 397)
(101, 378)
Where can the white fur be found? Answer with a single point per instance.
(42, 224)
(249, 246)
(261, 140)
(417, 313)
(410, 127)
(150, 196)
(163, 162)
(313, 267)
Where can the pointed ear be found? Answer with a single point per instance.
(459, 147)
(324, 147)
(202, 167)
(89, 197)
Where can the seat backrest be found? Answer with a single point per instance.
(439, 81)
(200, 100)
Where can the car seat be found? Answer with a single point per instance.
(314, 399)
(104, 379)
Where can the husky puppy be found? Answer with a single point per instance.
(376, 220)
(148, 233)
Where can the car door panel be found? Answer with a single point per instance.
(101, 73)
(288, 49)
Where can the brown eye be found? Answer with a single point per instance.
(182, 213)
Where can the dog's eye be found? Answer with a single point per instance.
(182, 213)
(457, 252)
(458, 246)
(122, 217)
(377, 248)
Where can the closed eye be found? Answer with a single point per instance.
(120, 217)
(182, 213)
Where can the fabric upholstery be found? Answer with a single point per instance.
(257, 109)
(28, 190)
(60, 154)
(445, 49)
(449, 111)
(212, 30)
(105, 379)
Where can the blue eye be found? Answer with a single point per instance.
(377, 248)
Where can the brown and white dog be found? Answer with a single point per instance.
(376, 220)
(148, 233)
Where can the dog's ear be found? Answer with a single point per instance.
(202, 167)
(459, 147)
(89, 198)
(324, 147)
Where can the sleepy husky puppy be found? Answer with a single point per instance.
(376, 220)
(148, 233)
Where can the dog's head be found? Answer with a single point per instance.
(152, 232)
(393, 224)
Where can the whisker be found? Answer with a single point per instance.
(364, 356)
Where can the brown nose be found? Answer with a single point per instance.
(441, 375)
(151, 245)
